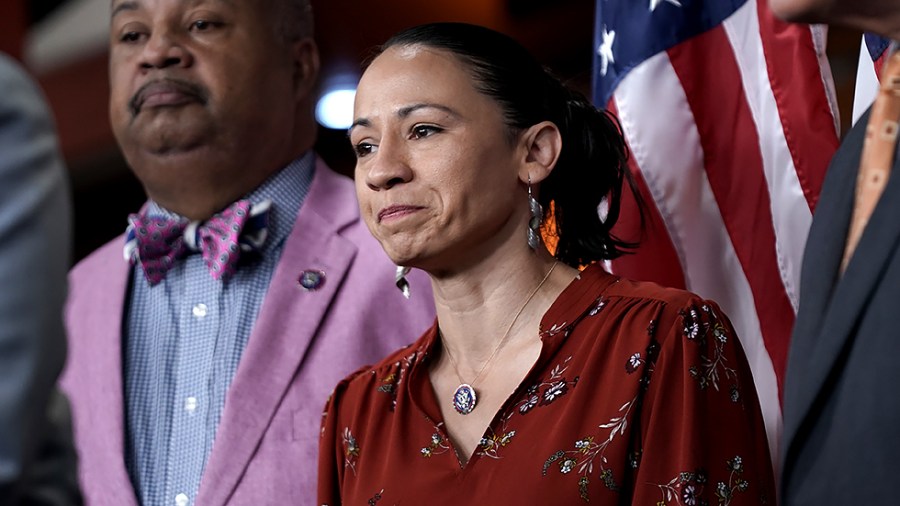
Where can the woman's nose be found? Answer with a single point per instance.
(389, 168)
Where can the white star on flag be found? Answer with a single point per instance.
(605, 50)
(655, 3)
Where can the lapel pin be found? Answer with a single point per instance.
(311, 280)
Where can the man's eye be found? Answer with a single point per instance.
(130, 37)
(201, 25)
(363, 149)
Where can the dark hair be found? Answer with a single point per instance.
(592, 164)
(293, 19)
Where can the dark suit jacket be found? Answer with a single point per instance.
(841, 405)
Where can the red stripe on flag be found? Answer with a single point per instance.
(656, 259)
(796, 81)
(733, 164)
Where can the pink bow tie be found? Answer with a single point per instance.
(157, 242)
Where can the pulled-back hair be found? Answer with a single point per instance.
(592, 164)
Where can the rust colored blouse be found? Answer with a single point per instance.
(640, 395)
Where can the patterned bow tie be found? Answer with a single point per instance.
(156, 242)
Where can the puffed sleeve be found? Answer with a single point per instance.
(702, 439)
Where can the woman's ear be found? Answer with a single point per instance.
(542, 144)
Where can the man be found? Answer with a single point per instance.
(37, 462)
(841, 409)
(198, 378)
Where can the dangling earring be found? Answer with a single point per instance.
(400, 279)
(534, 224)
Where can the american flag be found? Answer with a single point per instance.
(731, 118)
(872, 52)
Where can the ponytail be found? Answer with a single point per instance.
(589, 174)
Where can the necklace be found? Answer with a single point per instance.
(465, 398)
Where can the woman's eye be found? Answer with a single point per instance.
(363, 149)
(421, 131)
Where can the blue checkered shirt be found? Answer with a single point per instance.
(184, 339)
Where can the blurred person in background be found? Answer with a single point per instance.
(37, 461)
(841, 409)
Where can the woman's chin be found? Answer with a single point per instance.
(401, 252)
(401, 257)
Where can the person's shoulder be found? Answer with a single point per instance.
(13, 76)
(400, 358)
(671, 307)
(381, 377)
(650, 291)
(596, 290)
(97, 265)
(22, 94)
(680, 314)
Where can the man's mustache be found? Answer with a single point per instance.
(167, 84)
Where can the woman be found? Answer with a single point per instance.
(538, 384)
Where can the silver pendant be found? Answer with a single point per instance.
(464, 399)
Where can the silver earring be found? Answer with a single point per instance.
(400, 279)
(534, 224)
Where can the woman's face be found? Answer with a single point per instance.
(436, 174)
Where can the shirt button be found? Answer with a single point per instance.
(200, 310)
(181, 500)
(190, 404)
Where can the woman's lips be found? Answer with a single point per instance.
(397, 211)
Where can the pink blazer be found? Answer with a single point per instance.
(302, 344)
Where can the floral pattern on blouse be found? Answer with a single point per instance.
(587, 452)
(635, 398)
(391, 382)
(701, 324)
(494, 441)
(351, 450)
(375, 498)
(688, 488)
(438, 443)
(549, 389)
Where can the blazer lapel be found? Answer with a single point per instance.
(104, 377)
(836, 301)
(286, 325)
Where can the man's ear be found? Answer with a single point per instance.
(541, 144)
(305, 55)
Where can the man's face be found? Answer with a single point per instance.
(200, 89)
